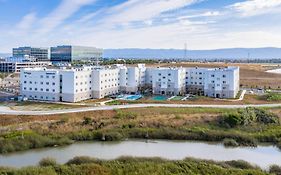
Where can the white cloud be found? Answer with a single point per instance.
(65, 10)
(27, 21)
(256, 7)
(204, 14)
(148, 24)
(142, 10)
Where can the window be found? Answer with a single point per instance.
(30, 82)
(24, 82)
(54, 83)
(35, 89)
(223, 76)
(47, 76)
(212, 75)
(41, 82)
(224, 82)
(24, 88)
(41, 89)
(47, 83)
(41, 76)
(54, 90)
(54, 77)
(47, 90)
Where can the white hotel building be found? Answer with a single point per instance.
(78, 84)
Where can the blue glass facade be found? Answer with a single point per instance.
(61, 54)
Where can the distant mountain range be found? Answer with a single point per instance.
(232, 53)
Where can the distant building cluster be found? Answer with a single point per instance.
(29, 57)
(77, 84)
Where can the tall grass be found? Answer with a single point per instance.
(140, 166)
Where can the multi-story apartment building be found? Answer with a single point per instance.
(222, 82)
(75, 53)
(77, 84)
(168, 81)
(40, 54)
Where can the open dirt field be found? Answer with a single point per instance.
(251, 75)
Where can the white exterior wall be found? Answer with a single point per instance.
(38, 84)
(105, 82)
(222, 82)
(77, 84)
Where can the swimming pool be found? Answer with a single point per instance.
(159, 98)
(133, 97)
(129, 97)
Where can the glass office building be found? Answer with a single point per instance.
(75, 53)
(40, 54)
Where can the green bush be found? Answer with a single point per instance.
(249, 116)
(113, 136)
(125, 115)
(240, 164)
(31, 141)
(275, 169)
(87, 121)
(273, 96)
(230, 143)
(48, 162)
(81, 160)
(279, 145)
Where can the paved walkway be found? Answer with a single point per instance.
(7, 111)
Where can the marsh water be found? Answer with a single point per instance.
(263, 155)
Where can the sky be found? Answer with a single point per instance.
(201, 24)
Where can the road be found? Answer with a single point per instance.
(7, 111)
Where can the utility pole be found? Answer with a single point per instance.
(185, 51)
